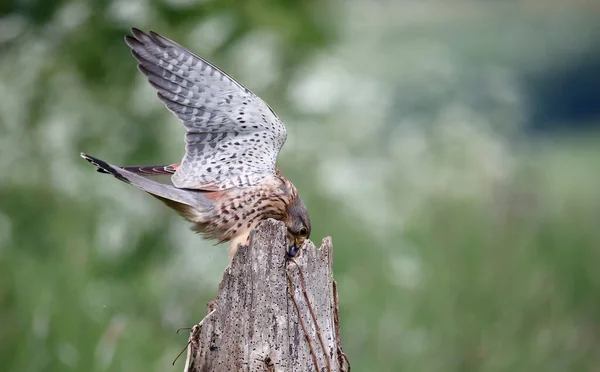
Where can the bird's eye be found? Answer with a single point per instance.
(303, 231)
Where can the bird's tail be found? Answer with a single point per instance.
(191, 204)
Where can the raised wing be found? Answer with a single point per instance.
(232, 138)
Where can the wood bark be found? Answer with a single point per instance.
(255, 325)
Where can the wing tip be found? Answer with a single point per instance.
(161, 40)
(132, 42)
(143, 69)
(138, 34)
(142, 38)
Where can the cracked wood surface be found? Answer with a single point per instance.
(255, 324)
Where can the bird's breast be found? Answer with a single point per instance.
(239, 210)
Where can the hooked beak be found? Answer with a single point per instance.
(293, 248)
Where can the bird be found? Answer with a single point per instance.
(227, 181)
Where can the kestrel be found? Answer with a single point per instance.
(227, 181)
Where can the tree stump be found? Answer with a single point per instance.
(254, 323)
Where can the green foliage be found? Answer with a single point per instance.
(457, 247)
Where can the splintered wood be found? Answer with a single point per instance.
(254, 325)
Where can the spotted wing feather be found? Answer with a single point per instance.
(233, 137)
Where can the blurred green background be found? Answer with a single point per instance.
(451, 149)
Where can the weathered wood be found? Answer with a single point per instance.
(255, 324)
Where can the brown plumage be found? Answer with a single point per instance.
(227, 182)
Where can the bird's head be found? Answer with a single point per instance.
(298, 226)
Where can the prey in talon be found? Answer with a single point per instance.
(227, 181)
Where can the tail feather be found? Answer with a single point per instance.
(170, 195)
(153, 170)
